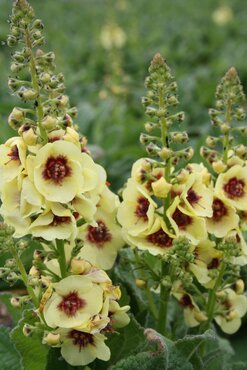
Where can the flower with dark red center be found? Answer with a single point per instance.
(214, 264)
(232, 185)
(160, 239)
(224, 218)
(186, 301)
(99, 235)
(62, 163)
(74, 301)
(71, 303)
(81, 339)
(192, 196)
(56, 169)
(235, 188)
(219, 210)
(181, 219)
(14, 153)
(142, 208)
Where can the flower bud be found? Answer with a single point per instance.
(45, 77)
(165, 153)
(172, 100)
(239, 286)
(224, 128)
(145, 139)
(161, 188)
(16, 67)
(51, 339)
(28, 134)
(211, 141)
(152, 149)
(34, 272)
(241, 150)
(38, 24)
(49, 122)
(140, 283)
(12, 41)
(80, 266)
(27, 94)
(63, 100)
(150, 126)
(15, 302)
(12, 277)
(189, 152)
(219, 166)
(16, 117)
(232, 161)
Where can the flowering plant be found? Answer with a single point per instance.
(184, 223)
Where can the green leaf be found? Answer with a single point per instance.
(32, 350)
(9, 357)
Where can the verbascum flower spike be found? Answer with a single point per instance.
(223, 151)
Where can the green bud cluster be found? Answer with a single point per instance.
(159, 104)
(44, 90)
(229, 97)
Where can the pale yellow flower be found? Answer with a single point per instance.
(56, 222)
(112, 36)
(101, 242)
(157, 240)
(61, 171)
(232, 185)
(234, 306)
(185, 223)
(224, 218)
(10, 208)
(197, 197)
(79, 348)
(136, 212)
(144, 173)
(12, 159)
(193, 316)
(74, 301)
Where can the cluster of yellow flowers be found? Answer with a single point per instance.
(47, 191)
(199, 208)
(80, 309)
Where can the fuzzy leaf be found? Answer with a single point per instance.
(32, 350)
(10, 358)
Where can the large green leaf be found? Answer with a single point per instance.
(9, 357)
(32, 350)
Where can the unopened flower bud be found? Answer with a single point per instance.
(15, 118)
(80, 266)
(232, 161)
(63, 100)
(38, 24)
(34, 272)
(51, 339)
(28, 134)
(27, 94)
(27, 330)
(183, 176)
(241, 150)
(150, 111)
(16, 67)
(152, 149)
(140, 283)
(165, 153)
(45, 77)
(12, 277)
(15, 302)
(224, 128)
(161, 188)
(150, 126)
(146, 101)
(37, 35)
(12, 41)
(219, 166)
(189, 152)
(172, 100)
(239, 286)
(49, 122)
(10, 263)
(240, 114)
(211, 141)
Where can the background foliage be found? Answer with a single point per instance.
(200, 40)
(106, 85)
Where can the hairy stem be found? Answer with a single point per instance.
(61, 258)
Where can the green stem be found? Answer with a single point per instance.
(212, 295)
(39, 108)
(227, 135)
(151, 303)
(61, 258)
(24, 275)
(164, 298)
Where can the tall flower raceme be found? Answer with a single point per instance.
(53, 191)
(191, 218)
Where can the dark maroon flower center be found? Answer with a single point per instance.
(214, 264)
(71, 303)
(186, 301)
(14, 153)
(56, 169)
(57, 220)
(81, 339)
(142, 208)
(219, 210)
(99, 235)
(192, 196)
(181, 219)
(234, 188)
(160, 238)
